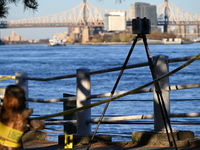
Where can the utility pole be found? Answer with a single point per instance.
(166, 22)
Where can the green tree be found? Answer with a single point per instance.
(4, 9)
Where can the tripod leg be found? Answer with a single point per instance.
(113, 90)
(124, 66)
(159, 95)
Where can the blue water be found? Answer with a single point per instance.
(43, 62)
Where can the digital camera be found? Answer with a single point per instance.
(141, 26)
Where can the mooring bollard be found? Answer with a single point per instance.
(161, 67)
(82, 91)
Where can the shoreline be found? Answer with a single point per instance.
(140, 42)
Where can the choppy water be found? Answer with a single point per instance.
(42, 61)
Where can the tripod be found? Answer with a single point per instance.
(162, 106)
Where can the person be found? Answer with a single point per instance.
(14, 118)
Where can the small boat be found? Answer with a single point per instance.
(172, 41)
(56, 42)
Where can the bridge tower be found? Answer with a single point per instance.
(166, 17)
(84, 11)
(85, 30)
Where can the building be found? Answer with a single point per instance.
(14, 38)
(142, 10)
(115, 21)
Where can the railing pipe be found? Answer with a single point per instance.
(3, 76)
(172, 60)
(181, 87)
(107, 70)
(125, 118)
(169, 88)
(147, 116)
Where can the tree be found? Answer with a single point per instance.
(28, 4)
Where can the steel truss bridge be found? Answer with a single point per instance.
(86, 14)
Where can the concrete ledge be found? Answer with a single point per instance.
(34, 136)
(78, 139)
(194, 143)
(160, 138)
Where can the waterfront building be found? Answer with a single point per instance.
(142, 10)
(115, 21)
(14, 38)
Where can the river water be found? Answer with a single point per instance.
(43, 62)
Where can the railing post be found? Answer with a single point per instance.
(19, 80)
(161, 67)
(82, 91)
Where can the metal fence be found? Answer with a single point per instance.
(81, 102)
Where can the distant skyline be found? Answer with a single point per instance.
(48, 7)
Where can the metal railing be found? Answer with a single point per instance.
(83, 96)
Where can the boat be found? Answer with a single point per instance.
(57, 42)
(172, 41)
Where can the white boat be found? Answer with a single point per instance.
(172, 41)
(56, 42)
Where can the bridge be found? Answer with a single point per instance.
(171, 15)
(88, 15)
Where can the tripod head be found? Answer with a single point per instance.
(141, 26)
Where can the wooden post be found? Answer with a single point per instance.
(82, 91)
(161, 67)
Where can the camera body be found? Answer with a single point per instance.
(141, 26)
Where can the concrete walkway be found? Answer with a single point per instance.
(48, 145)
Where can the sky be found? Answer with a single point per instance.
(48, 7)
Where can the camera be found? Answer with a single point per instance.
(141, 26)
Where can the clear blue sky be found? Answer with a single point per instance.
(47, 7)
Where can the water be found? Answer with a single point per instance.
(43, 62)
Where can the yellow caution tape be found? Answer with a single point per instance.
(121, 95)
(9, 77)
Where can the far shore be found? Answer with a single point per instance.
(140, 42)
